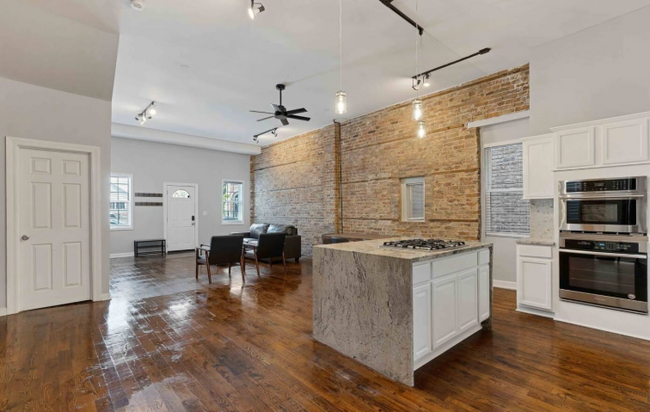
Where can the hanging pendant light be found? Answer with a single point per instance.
(341, 106)
(417, 109)
(422, 130)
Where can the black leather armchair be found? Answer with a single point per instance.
(222, 250)
(268, 246)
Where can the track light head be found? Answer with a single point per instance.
(425, 81)
(255, 9)
(415, 83)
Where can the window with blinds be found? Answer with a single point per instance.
(507, 213)
(413, 199)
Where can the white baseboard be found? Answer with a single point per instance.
(504, 284)
(3, 311)
(536, 312)
(105, 296)
(121, 255)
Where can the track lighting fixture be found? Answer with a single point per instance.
(148, 113)
(274, 132)
(422, 130)
(255, 9)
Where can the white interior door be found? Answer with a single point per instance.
(54, 228)
(181, 221)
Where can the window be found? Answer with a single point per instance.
(180, 193)
(507, 213)
(413, 199)
(121, 209)
(232, 202)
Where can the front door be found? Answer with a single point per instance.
(54, 228)
(181, 221)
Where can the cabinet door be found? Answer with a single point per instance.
(467, 300)
(538, 168)
(444, 294)
(534, 282)
(422, 320)
(625, 141)
(575, 148)
(483, 293)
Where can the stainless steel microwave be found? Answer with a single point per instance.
(604, 205)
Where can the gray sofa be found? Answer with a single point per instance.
(292, 243)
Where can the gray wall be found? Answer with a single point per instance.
(35, 112)
(152, 164)
(505, 253)
(597, 73)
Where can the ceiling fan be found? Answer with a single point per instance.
(281, 113)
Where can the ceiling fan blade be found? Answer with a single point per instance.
(306, 119)
(265, 118)
(257, 111)
(296, 111)
(284, 121)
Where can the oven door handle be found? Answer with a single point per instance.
(601, 197)
(584, 252)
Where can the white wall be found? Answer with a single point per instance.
(597, 73)
(505, 257)
(152, 164)
(35, 112)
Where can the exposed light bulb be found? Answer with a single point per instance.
(425, 81)
(341, 103)
(251, 12)
(417, 109)
(422, 130)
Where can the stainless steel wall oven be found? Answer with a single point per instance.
(609, 271)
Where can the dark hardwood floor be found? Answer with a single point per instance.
(167, 343)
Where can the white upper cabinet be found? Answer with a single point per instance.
(538, 167)
(575, 148)
(625, 141)
(602, 143)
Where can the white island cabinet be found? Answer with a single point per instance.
(396, 309)
(451, 297)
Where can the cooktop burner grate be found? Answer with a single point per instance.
(424, 244)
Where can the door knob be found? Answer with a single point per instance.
(24, 237)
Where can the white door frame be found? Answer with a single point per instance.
(196, 211)
(13, 145)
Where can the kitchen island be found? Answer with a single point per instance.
(394, 310)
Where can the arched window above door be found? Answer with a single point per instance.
(180, 193)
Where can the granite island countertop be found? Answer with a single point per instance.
(375, 247)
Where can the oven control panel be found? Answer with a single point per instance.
(609, 185)
(595, 245)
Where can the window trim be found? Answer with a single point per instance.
(486, 192)
(242, 202)
(131, 203)
(406, 210)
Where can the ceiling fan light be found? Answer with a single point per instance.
(341, 102)
(422, 130)
(417, 109)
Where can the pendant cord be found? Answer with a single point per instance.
(340, 44)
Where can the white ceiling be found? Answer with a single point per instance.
(234, 63)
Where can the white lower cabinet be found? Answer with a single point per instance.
(534, 277)
(445, 309)
(453, 299)
(422, 320)
(484, 293)
(467, 300)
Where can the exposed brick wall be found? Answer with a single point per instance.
(297, 181)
